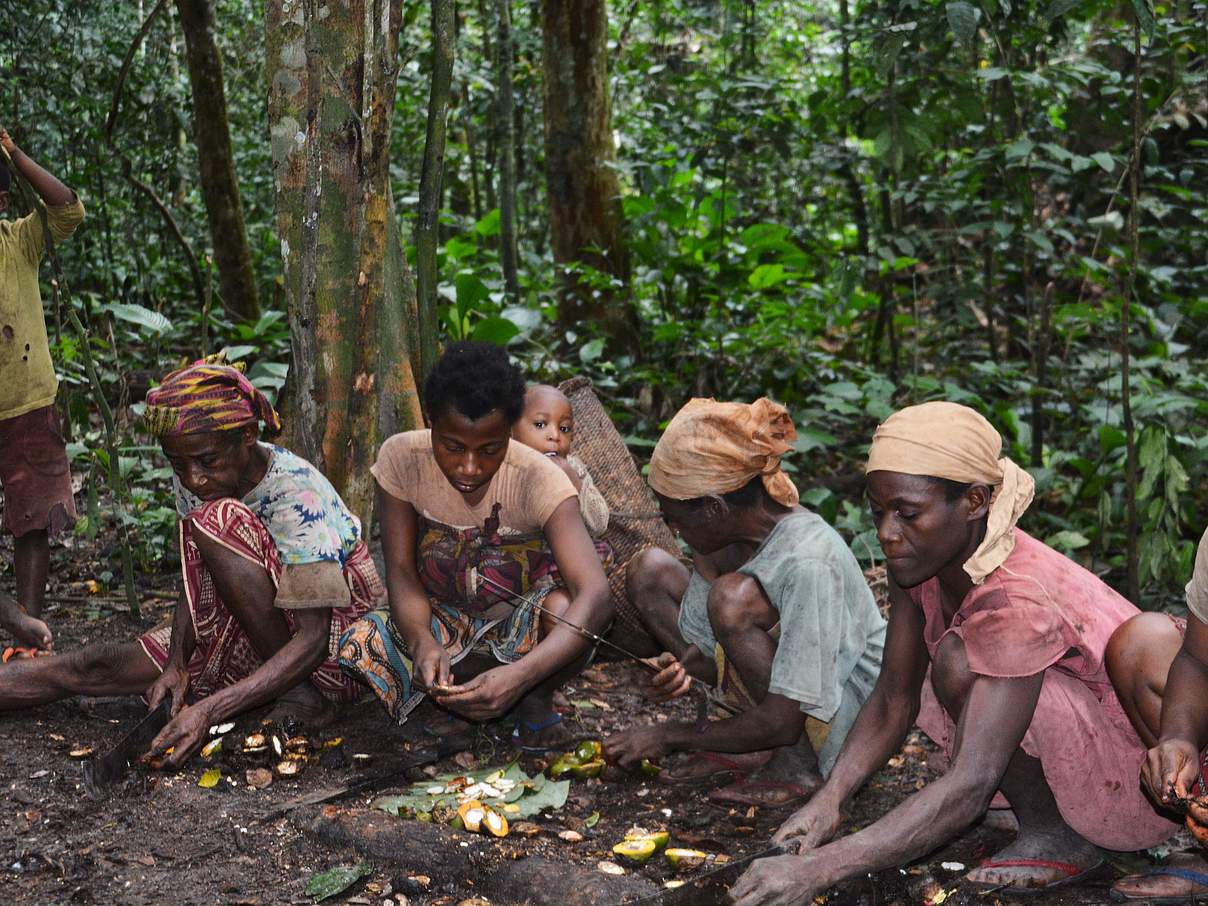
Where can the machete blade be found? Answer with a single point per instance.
(101, 774)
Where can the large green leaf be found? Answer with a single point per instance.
(530, 795)
(335, 881)
(142, 316)
(962, 18)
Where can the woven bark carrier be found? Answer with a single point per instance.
(634, 522)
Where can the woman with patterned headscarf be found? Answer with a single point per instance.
(997, 644)
(274, 569)
(774, 612)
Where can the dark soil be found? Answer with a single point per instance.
(163, 839)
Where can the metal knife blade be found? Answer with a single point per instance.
(101, 774)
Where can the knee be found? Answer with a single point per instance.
(651, 570)
(951, 677)
(1139, 647)
(97, 665)
(737, 603)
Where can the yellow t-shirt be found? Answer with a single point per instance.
(27, 376)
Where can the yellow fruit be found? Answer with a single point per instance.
(659, 837)
(496, 824)
(684, 859)
(471, 814)
(588, 750)
(636, 851)
(588, 769)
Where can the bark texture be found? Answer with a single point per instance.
(332, 71)
(585, 219)
(431, 181)
(507, 146)
(216, 165)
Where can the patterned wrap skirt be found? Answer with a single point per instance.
(468, 574)
(224, 654)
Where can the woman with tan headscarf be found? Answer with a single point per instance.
(997, 643)
(775, 611)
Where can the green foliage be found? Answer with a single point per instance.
(848, 207)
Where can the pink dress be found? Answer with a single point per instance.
(1037, 612)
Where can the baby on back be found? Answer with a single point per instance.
(548, 426)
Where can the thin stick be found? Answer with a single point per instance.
(586, 633)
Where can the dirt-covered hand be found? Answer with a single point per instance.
(431, 664)
(809, 827)
(6, 141)
(776, 881)
(184, 734)
(1170, 769)
(627, 748)
(671, 681)
(486, 696)
(173, 683)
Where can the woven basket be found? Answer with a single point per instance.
(634, 522)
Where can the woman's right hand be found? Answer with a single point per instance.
(174, 683)
(812, 825)
(1170, 769)
(431, 664)
(671, 680)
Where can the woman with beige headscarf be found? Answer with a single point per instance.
(996, 642)
(775, 610)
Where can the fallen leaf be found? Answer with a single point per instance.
(592, 820)
(210, 778)
(465, 760)
(82, 752)
(335, 880)
(601, 704)
(570, 836)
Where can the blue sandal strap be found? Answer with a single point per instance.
(1185, 874)
(523, 727)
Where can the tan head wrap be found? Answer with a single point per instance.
(714, 448)
(947, 440)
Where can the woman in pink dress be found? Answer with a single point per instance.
(996, 643)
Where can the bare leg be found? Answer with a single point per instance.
(655, 582)
(742, 619)
(102, 669)
(22, 617)
(1043, 833)
(537, 707)
(248, 592)
(1138, 658)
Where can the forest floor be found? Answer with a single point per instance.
(161, 838)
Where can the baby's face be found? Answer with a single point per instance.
(547, 424)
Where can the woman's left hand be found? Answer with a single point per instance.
(488, 695)
(184, 734)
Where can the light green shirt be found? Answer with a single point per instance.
(27, 376)
(832, 635)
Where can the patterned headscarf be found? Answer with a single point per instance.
(208, 395)
(714, 448)
(948, 440)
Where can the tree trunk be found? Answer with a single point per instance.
(216, 166)
(427, 229)
(585, 219)
(507, 159)
(332, 70)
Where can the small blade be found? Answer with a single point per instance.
(101, 774)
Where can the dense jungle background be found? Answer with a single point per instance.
(848, 206)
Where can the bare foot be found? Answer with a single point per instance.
(1038, 859)
(304, 705)
(1183, 875)
(29, 632)
(791, 777)
(701, 766)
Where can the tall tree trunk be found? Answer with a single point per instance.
(216, 166)
(427, 230)
(507, 148)
(332, 69)
(585, 219)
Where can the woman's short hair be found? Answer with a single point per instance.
(474, 379)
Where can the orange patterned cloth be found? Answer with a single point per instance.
(207, 396)
(714, 448)
(224, 654)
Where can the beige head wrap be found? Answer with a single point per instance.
(714, 448)
(947, 440)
